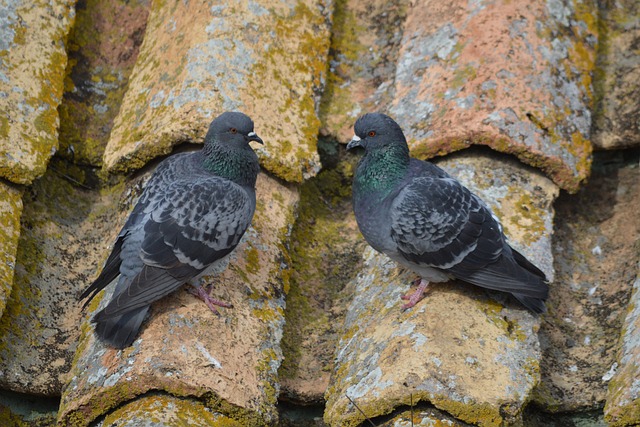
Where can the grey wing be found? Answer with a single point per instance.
(163, 176)
(188, 227)
(440, 223)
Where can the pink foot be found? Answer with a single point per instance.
(202, 292)
(416, 296)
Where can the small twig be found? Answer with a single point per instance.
(360, 410)
(70, 179)
(411, 399)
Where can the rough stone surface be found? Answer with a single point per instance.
(230, 361)
(366, 36)
(420, 417)
(538, 418)
(157, 410)
(32, 64)
(511, 75)
(325, 253)
(264, 58)
(103, 47)
(617, 77)
(62, 228)
(470, 353)
(10, 211)
(458, 350)
(595, 252)
(623, 398)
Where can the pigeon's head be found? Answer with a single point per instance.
(232, 128)
(376, 130)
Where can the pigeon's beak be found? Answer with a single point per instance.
(355, 142)
(254, 137)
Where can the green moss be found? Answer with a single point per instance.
(456, 51)
(137, 159)
(9, 419)
(267, 378)
(252, 257)
(345, 49)
(10, 213)
(627, 414)
(267, 314)
(481, 414)
(530, 218)
(630, 417)
(302, 48)
(100, 404)
(4, 126)
(166, 409)
(544, 397)
(322, 262)
(23, 298)
(462, 75)
(441, 147)
(86, 329)
(242, 415)
(50, 204)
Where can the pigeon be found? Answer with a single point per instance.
(427, 221)
(191, 215)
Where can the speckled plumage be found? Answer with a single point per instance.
(426, 220)
(192, 213)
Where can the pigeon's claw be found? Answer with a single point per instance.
(415, 296)
(202, 292)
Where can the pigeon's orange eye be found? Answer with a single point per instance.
(233, 130)
(372, 133)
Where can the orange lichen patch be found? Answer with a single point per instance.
(509, 75)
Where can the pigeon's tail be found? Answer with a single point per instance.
(511, 273)
(535, 305)
(120, 331)
(109, 272)
(527, 265)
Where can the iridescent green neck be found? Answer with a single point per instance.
(239, 166)
(380, 170)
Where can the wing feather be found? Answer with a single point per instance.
(109, 272)
(188, 226)
(437, 222)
